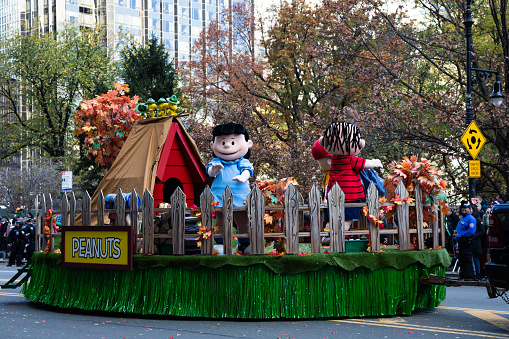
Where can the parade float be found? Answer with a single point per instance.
(115, 268)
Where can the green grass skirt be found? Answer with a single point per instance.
(247, 287)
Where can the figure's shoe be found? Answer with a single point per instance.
(242, 248)
(219, 249)
(9, 264)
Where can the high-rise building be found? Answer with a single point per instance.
(177, 23)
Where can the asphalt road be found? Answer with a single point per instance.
(467, 312)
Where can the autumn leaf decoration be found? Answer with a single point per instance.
(204, 233)
(274, 192)
(106, 122)
(50, 221)
(386, 209)
(412, 171)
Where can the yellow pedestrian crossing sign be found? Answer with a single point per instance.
(473, 139)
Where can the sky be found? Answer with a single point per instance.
(262, 5)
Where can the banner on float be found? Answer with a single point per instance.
(97, 247)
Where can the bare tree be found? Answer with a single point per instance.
(18, 188)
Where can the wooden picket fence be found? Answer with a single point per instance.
(294, 208)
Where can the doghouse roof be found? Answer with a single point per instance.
(136, 165)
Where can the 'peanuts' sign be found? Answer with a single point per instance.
(99, 247)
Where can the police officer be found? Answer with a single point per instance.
(17, 240)
(465, 237)
(4, 225)
(30, 233)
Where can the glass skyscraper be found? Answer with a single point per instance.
(177, 23)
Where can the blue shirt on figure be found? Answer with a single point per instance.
(231, 169)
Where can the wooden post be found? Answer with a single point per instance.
(147, 217)
(206, 200)
(120, 209)
(419, 217)
(100, 208)
(37, 223)
(363, 221)
(228, 221)
(86, 210)
(316, 221)
(256, 212)
(43, 221)
(178, 221)
(442, 229)
(133, 213)
(50, 201)
(373, 209)
(72, 209)
(402, 218)
(336, 200)
(435, 225)
(65, 209)
(301, 214)
(291, 202)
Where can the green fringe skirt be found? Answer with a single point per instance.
(254, 291)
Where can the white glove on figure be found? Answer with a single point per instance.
(215, 169)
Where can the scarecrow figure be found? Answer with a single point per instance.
(231, 167)
(344, 142)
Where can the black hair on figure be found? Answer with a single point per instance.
(231, 128)
(343, 136)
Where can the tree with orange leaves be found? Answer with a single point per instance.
(311, 70)
(106, 122)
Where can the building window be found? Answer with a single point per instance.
(196, 14)
(155, 6)
(85, 10)
(183, 29)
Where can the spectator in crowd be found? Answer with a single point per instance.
(30, 233)
(479, 237)
(451, 221)
(465, 237)
(484, 204)
(4, 225)
(16, 240)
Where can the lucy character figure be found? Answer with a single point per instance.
(230, 167)
(344, 142)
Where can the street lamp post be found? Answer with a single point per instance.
(496, 96)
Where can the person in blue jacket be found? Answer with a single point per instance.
(231, 167)
(465, 237)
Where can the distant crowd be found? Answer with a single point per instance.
(17, 240)
(467, 237)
